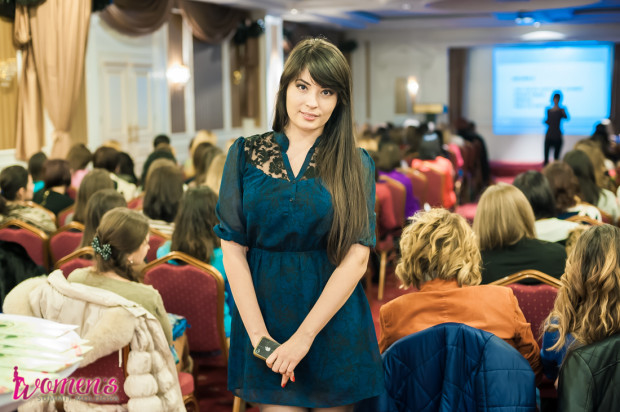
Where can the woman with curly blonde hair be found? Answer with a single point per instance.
(440, 257)
(585, 322)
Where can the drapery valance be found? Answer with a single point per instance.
(137, 17)
(210, 23)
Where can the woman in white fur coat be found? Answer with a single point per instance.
(121, 243)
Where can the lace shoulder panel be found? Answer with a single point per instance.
(263, 152)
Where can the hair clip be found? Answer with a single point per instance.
(105, 251)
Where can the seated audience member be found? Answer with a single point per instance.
(601, 165)
(161, 141)
(99, 203)
(504, 224)
(126, 168)
(95, 180)
(208, 136)
(78, 157)
(108, 158)
(162, 195)
(214, 175)
(16, 185)
(565, 188)
(585, 321)
(122, 241)
(162, 153)
(35, 168)
(467, 130)
(203, 157)
(590, 191)
(601, 138)
(57, 178)
(440, 257)
(536, 189)
(193, 234)
(388, 161)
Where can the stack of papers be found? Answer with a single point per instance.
(38, 348)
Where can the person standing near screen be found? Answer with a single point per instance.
(553, 138)
(297, 222)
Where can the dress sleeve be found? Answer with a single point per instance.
(368, 167)
(229, 208)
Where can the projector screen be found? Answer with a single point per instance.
(526, 77)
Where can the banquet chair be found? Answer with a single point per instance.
(64, 214)
(80, 258)
(385, 241)
(195, 290)
(34, 240)
(114, 366)
(136, 202)
(419, 183)
(65, 240)
(156, 239)
(51, 214)
(536, 303)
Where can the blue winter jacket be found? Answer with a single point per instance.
(454, 367)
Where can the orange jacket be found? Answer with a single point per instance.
(491, 308)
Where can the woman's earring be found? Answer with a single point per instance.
(131, 261)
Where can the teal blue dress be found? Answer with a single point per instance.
(284, 220)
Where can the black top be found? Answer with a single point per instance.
(53, 201)
(549, 258)
(554, 117)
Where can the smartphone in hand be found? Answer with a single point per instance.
(265, 348)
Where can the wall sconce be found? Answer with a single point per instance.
(413, 86)
(8, 70)
(178, 74)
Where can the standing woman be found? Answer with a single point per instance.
(553, 138)
(296, 214)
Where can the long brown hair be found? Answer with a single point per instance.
(588, 302)
(95, 180)
(193, 227)
(99, 203)
(124, 230)
(338, 161)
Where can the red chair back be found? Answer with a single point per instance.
(32, 239)
(399, 194)
(194, 290)
(136, 203)
(80, 258)
(536, 302)
(386, 220)
(64, 214)
(65, 240)
(156, 239)
(106, 368)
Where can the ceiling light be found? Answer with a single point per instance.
(406, 6)
(543, 35)
(294, 11)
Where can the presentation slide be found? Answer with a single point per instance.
(526, 77)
